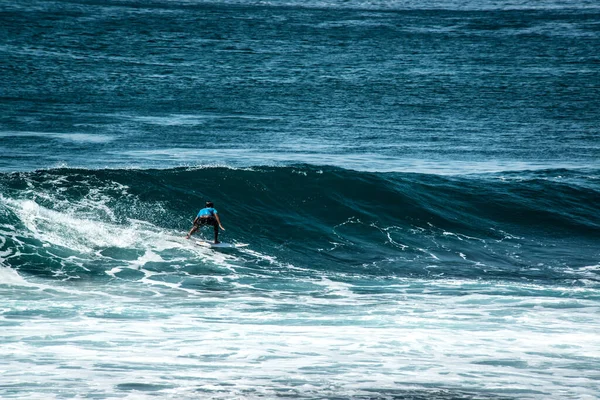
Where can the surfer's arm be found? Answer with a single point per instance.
(219, 221)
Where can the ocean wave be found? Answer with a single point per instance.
(536, 225)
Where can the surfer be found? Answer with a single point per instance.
(207, 216)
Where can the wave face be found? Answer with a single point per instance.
(542, 225)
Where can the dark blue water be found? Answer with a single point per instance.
(419, 186)
(162, 84)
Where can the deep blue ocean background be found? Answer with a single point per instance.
(418, 183)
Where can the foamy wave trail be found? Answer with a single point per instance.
(355, 284)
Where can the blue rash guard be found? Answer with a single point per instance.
(207, 212)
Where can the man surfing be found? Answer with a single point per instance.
(207, 216)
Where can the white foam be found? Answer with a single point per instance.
(9, 276)
(149, 256)
(335, 287)
(346, 346)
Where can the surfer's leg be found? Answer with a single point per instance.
(191, 232)
(216, 226)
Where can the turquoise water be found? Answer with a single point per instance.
(418, 184)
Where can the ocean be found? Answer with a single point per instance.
(418, 183)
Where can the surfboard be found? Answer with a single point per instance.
(221, 245)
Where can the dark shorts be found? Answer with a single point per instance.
(210, 221)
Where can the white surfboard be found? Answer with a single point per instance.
(221, 245)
